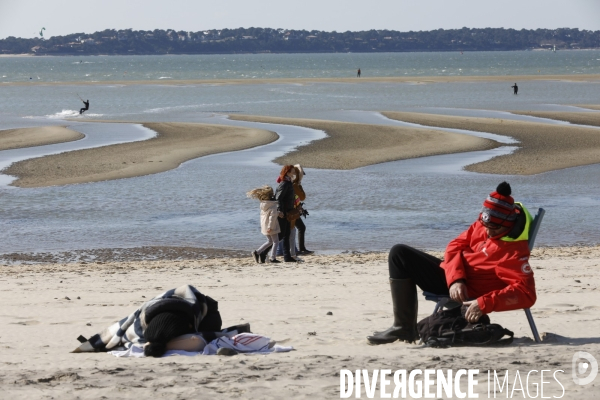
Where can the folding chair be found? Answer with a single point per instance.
(445, 301)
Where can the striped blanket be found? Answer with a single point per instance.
(130, 330)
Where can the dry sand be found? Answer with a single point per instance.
(363, 79)
(578, 118)
(543, 147)
(39, 136)
(287, 303)
(174, 144)
(351, 145)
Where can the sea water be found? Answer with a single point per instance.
(423, 202)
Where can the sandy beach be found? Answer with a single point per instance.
(38, 136)
(46, 306)
(260, 81)
(174, 144)
(578, 118)
(543, 147)
(590, 106)
(352, 145)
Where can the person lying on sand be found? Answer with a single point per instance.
(489, 262)
(175, 331)
(168, 316)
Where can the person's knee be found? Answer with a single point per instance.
(399, 249)
(397, 266)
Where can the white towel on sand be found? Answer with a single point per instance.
(242, 343)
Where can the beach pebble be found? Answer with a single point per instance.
(577, 280)
(89, 324)
(78, 298)
(67, 298)
(329, 313)
(312, 333)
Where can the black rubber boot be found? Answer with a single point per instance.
(303, 251)
(404, 301)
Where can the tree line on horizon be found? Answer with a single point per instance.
(259, 40)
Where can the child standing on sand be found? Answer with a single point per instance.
(269, 226)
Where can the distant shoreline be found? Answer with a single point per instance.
(279, 52)
(390, 79)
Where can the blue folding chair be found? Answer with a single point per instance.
(445, 301)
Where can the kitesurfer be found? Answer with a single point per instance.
(87, 106)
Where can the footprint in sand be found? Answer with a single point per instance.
(30, 322)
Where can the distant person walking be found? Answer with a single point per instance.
(358, 73)
(516, 88)
(87, 107)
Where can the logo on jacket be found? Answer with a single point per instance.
(526, 268)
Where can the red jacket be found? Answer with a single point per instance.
(497, 272)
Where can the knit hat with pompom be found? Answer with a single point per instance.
(499, 207)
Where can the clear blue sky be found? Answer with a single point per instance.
(24, 18)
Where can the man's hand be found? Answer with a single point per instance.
(473, 312)
(458, 292)
(279, 214)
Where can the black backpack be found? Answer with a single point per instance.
(450, 328)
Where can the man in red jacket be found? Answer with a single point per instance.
(489, 262)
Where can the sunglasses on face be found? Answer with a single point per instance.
(489, 225)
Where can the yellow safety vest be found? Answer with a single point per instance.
(525, 234)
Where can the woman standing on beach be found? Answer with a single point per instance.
(285, 205)
(269, 225)
(299, 224)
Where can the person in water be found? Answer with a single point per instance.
(87, 107)
(358, 73)
(516, 88)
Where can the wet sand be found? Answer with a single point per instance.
(543, 147)
(352, 145)
(590, 106)
(396, 79)
(174, 144)
(45, 307)
(38, 136)
(578, 118)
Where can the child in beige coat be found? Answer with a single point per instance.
(269, 226)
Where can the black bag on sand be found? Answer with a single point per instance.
(450, 328)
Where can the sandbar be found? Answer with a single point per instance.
(393, 79)
(352, 145)
(39, 136)
(543, 147)
(578, 118)
(174, 144)
(590, 106)
(324, 308)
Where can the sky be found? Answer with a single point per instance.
(25, 18)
